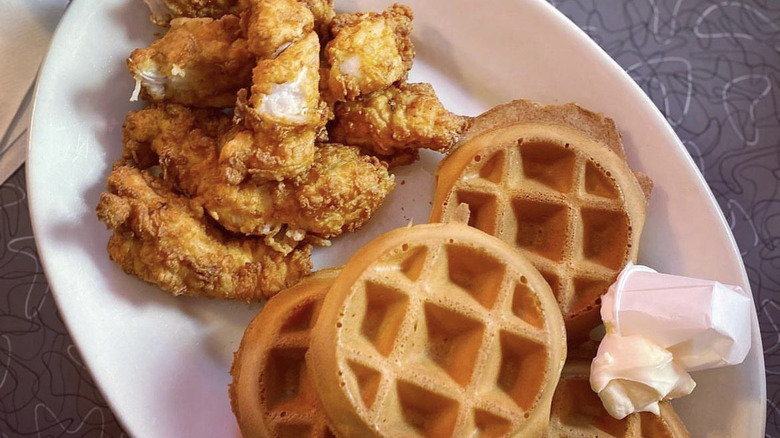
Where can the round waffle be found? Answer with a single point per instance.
(552, 181)
(437, 330)
(271, 393)
(577, 412)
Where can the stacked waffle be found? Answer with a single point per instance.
(552, 181)
(460, 328)
(577, 412)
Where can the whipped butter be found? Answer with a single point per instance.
(659, 327)
(632, 374)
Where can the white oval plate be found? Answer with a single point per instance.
(162, 362)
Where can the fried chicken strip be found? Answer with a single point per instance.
(200, 62)
(165, 239)
(368, 52)
(282, 117)
(185, 144)
(396, 122)
(338, 193)
(285, 90)
(183, 141)
(163, 11)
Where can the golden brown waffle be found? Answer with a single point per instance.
(437, 331)
(553, 182)
(577, 412)
(271, 393)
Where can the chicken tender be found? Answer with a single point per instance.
(368, 52)
(200, 62)
(282, 117)
(183, 141)
(166, 240)
(397, 121)
(285, 90)
(185, 144)
(260, 156)
(338, 193)
(163, 11)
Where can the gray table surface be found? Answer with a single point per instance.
(713, 69)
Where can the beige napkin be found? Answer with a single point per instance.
(26, 27)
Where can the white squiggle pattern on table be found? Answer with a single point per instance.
(672, 20)
(45, 390)
(750, 123)
(655, 65)
(33, 257)
(740, 7)
(44, 414)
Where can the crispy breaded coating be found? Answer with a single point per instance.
(272, 25)
(282, 117)
(185, 143)
(338, 193)
(397, 120)
(165, 239)
(230, 175)
(267, 156)
(285, 90)
(323, 16)
(200, 62)
(368, 52)
(163, 11)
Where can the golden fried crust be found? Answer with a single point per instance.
(282, 117)
(323, 16)
(285, 90)
(340, 192)
(199, 62)
(368, 52)
(272, 25)
(183, 141)
(163, 11)
(397, 119)
(165, 239)
(262, 156)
